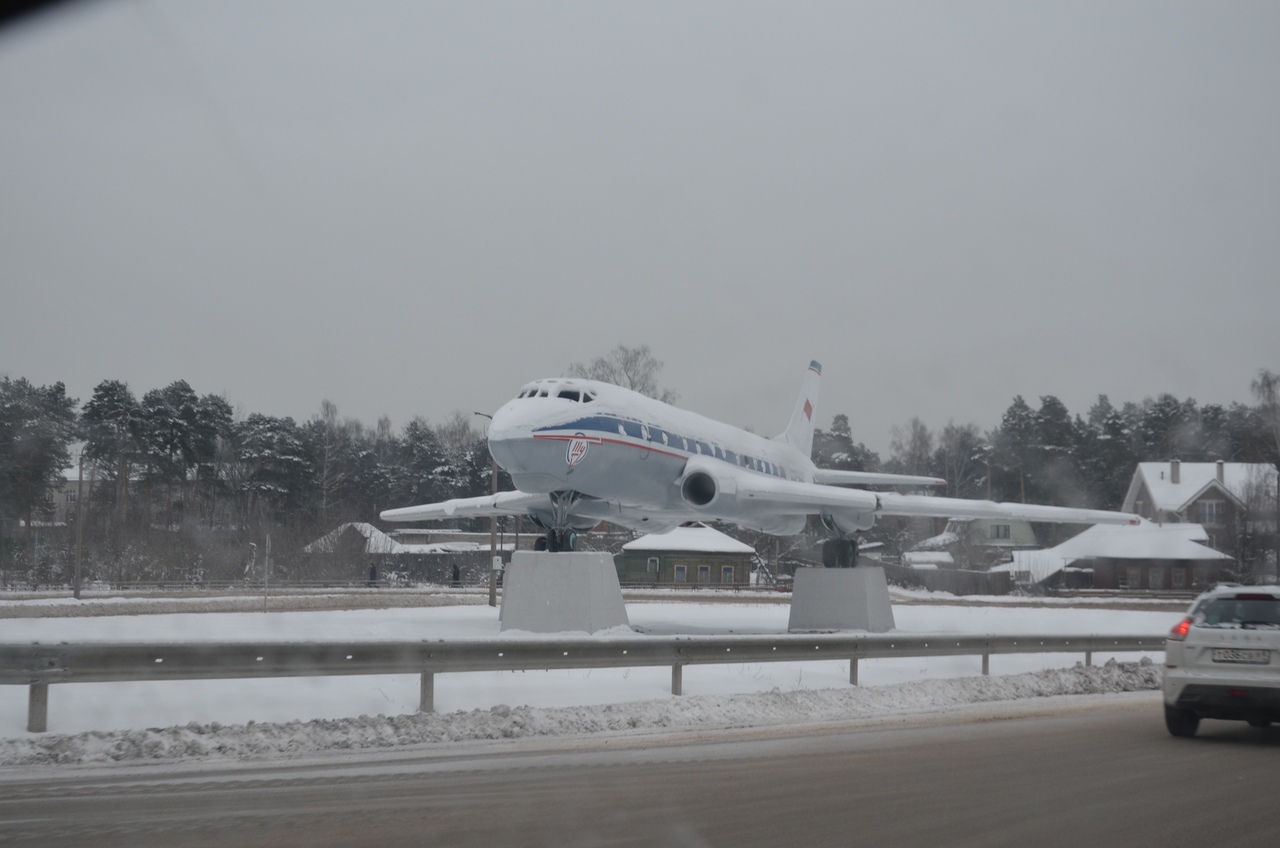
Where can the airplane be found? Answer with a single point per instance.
(581, 451)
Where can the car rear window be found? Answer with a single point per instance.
(1243, 611)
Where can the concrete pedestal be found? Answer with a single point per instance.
(841, 599)
(553, 593)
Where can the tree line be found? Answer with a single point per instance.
(178, 487)
(1047, 455)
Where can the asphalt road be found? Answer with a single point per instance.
(1064, 771)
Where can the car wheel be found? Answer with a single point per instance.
(1181, 722)
(1259, 722)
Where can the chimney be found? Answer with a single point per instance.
(1174, 477)
(1222, 478)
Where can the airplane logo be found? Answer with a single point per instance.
(577, 450)
(657, 466)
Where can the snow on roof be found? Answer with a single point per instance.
(934, 543)
(1238, 478)
(377, 542)
(1117, 541)
(697, 538)
(915, 559)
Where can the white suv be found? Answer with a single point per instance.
(1223, 660)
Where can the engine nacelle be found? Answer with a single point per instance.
(699, 489)
(703, 489)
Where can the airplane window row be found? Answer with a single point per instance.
(651, 434)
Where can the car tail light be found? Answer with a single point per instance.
(1179, 631)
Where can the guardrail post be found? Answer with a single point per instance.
(1088, 658)
(986, 665)
(677, 680)
(853, 671)
(427, 692)
(38, 708)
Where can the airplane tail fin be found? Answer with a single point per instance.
(799, 433)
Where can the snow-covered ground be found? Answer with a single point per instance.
(212, 718)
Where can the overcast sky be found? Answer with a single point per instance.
(414, 208)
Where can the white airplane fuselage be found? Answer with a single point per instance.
(618, 446)
(581, 452)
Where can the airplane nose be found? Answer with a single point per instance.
(505, 424)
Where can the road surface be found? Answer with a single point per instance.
(1082, 771)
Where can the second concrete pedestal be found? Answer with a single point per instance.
(841, 599)
(553, 593)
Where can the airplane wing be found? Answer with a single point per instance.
(895, 504)
(485, 506)
(723, 494)
(583, 514)
(867, 478)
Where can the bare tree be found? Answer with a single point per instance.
(911, 448)
(632, 368)
(457, 435)
(960, 454)
(1266, 388)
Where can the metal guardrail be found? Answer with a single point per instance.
(38, 666)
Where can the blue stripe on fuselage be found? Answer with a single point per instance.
(609, 426)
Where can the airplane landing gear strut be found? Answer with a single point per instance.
(840, 553)
(556, 541)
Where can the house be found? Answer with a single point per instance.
(975, 543)
(690, 553)
(1146, 557)
(1225, 498)
(349, 551)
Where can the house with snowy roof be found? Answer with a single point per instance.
(355, 549)
(691, 553)
(1219, 496)
(1143, 557)
(976, 543)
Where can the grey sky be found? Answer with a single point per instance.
(415, 208)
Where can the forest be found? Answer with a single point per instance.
(176, 487)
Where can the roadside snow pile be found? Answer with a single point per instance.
(258, 741)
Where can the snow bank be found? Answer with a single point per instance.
(296, 738)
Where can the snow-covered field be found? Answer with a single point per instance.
(109, 721)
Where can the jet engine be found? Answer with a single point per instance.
(702, 488)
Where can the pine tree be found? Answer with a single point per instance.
(278, 479)
(37, 426)
(113, 431)
(1014, 443)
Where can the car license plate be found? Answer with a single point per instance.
(1241, 655)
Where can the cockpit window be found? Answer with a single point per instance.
(570, 394)
(587, 397)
